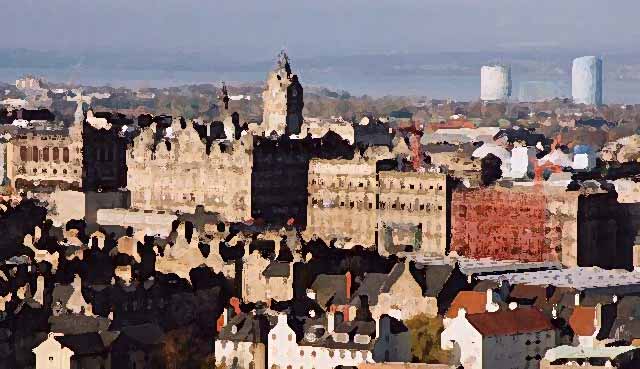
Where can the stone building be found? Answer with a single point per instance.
(339, 343)
(279, 180)
(88, 350)
(264, 279)
(396, 293)
(242, 342)
(342, 200)
(173, 169)
(502, 339)
(283, 100)
(104, 166)
(46, 160)
(359, 202)
(412, 212)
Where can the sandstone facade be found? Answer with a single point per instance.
(47, 160)
(177, 174)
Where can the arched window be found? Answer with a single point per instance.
(56, 154)
(65, 155)
(24, 153)
(45, 154)
(34, 154)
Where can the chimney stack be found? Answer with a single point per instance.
(491, 307)
(347, 277)
(330, 322)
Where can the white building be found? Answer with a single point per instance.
(586, 80)
(503, 339)
(50, 354)
(242, 341)
(495, 82)
(339, 343)
(88, 350)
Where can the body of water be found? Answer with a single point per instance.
(458, 87)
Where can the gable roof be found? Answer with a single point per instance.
(248, 328)
(582, 320)
(472, 301)
(510, 322)
(330, 289)
(437, 276)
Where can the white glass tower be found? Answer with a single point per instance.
(495, 82)
(586, 80)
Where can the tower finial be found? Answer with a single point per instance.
(225, 95)
(283, 62)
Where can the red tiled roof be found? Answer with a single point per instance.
(510, 322)
(581, 321)
(472, 301)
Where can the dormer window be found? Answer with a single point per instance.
(234, 329)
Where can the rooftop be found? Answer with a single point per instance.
(582, 320)
(473, 302)
(510, 322)
(580, 278)
(470, 266)
(579, 352)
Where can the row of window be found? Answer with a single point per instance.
(396, 205)
(33, 154)
(22, 170)
(341, 183)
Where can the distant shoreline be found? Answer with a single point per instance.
(457, 87)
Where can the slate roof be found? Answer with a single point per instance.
(510, 322)
(76, 324)
(330, 289)
(436, 277)
(277, 269)
(83, 344)
(369, 286)
(246, 328)
(144, 334)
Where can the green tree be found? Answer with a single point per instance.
(425, 339)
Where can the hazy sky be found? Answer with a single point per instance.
(259, 28)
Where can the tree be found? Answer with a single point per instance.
(425, 339)
(491, 172)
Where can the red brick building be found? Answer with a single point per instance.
(501, 224)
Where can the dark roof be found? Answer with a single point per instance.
(510, 322)
(144, 334)
(246, 328)
(370, 286)
(76, 324)
(392, 277)
(277, 269)
(330, 289)
(353, 327)
(395, 325)
(267, 248)
(437, 276)
(83, 344)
